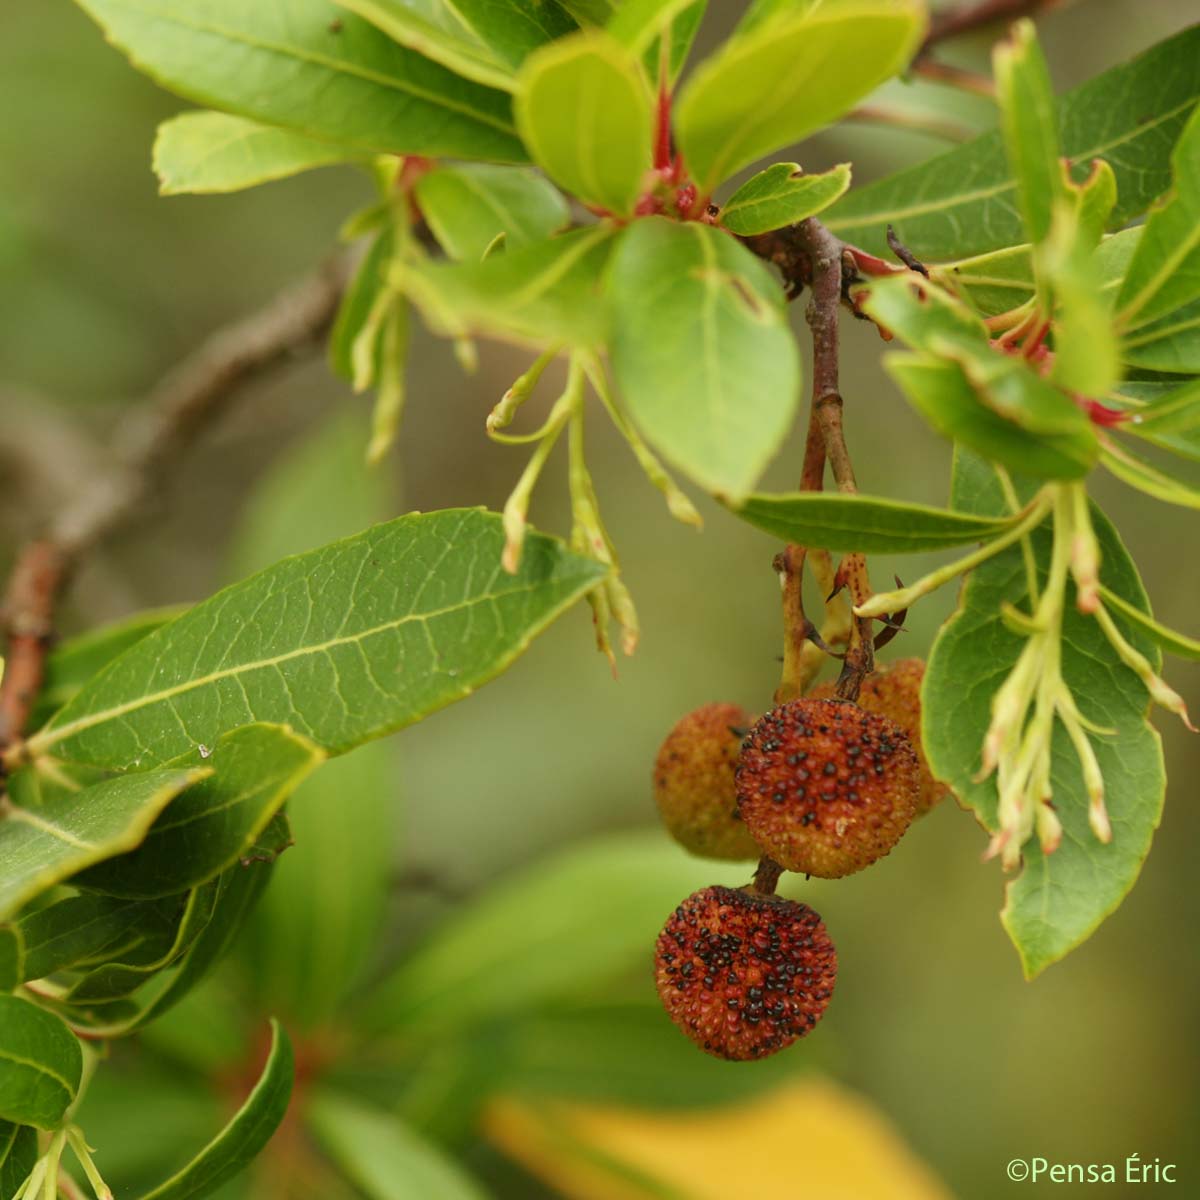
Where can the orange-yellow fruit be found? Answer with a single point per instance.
(744, 974)
(825, 787)
(894, 691)
(693, 783)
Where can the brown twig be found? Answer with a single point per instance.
(966, 18)
(187, 399)
(959, 77)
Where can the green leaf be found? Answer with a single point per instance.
(317, 927)
(300, 64)
(344, 643)
(946, 397)
(213, 824)
(1165, 272)
(1175, 643)
(660, 32)
(920, 316)
(1058, 900)
(385, 1158)
(586, 115)
(761, 12)
(867, 523)
(18, 1154)
(1028, 123)
(468, 206)
(702, 352)
(40, 1064)
(964, 202)
(215, 152)
(71, 664)
(782, 195)
(1146, 477)
(530, 939)
(359, 303)
(76, 930)
(1170, 419)
(12, 958)
(1172, 343)
(544, 294)
(248, 1131)
(49, 833)
(785, 79)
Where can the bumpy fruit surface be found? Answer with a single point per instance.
(744, 974)
(693, 783)
(825, 787)
(894, 691)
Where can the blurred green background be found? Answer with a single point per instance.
(104, 285)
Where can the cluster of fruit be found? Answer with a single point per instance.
(818, 785)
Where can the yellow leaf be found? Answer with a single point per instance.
(809, 1140)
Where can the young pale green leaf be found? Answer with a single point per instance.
(213, 824)
(964, 202)
(660, 32)
(18, 1153)
(12, 957)
(470, 205)
(544, 294)
(586, 115)
(299, 64)
(1167, 416)
(530, 940)
(50, 832)
(1059, 899)
(248, 1131)
(216, 152)
(782, 195)
(76, 931)
(1029, 123)
(70, 665)
(1173, 642)
(344, 643)
(869, 524)
(1148, 478)
(40, 1064)
(1165, 272)
(702, 352)
(1171, 344)
(921, 316)
(384, 1157)
(479, 39)
(359, 304)
(941, 391)
(786, 78)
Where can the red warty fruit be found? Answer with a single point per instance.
(744, 974)
(693, 783)
(894, 691)
(826, 788)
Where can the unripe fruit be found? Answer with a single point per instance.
(693, 783)
(894, 691)
(744, 974)
(826, 788)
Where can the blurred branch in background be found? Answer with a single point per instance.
(146, 444)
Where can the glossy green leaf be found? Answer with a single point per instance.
(49, 832)
(216, 152)
(1057, 900)
(248, 1131)
(12, 957)
(921, 316)
(1169, 416)
(75, 931)
(586, 115)
(312, 68)
(40, 1064)
(344, 643)
(72, 663)
(530, 939)
(964, 202)
(785, 79)
(660, 32)
(213, 824)
(18, 1153)
(943, 394)
(871, 524)
(1173, 642)
(702, 352)
(544, 294)
(1165, 272)
(469, 205)
(590, 12)
(1028, 122)
(1172, 343)
(385, 1158)
(479, 39)
(782, 195)
(1148, 478)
